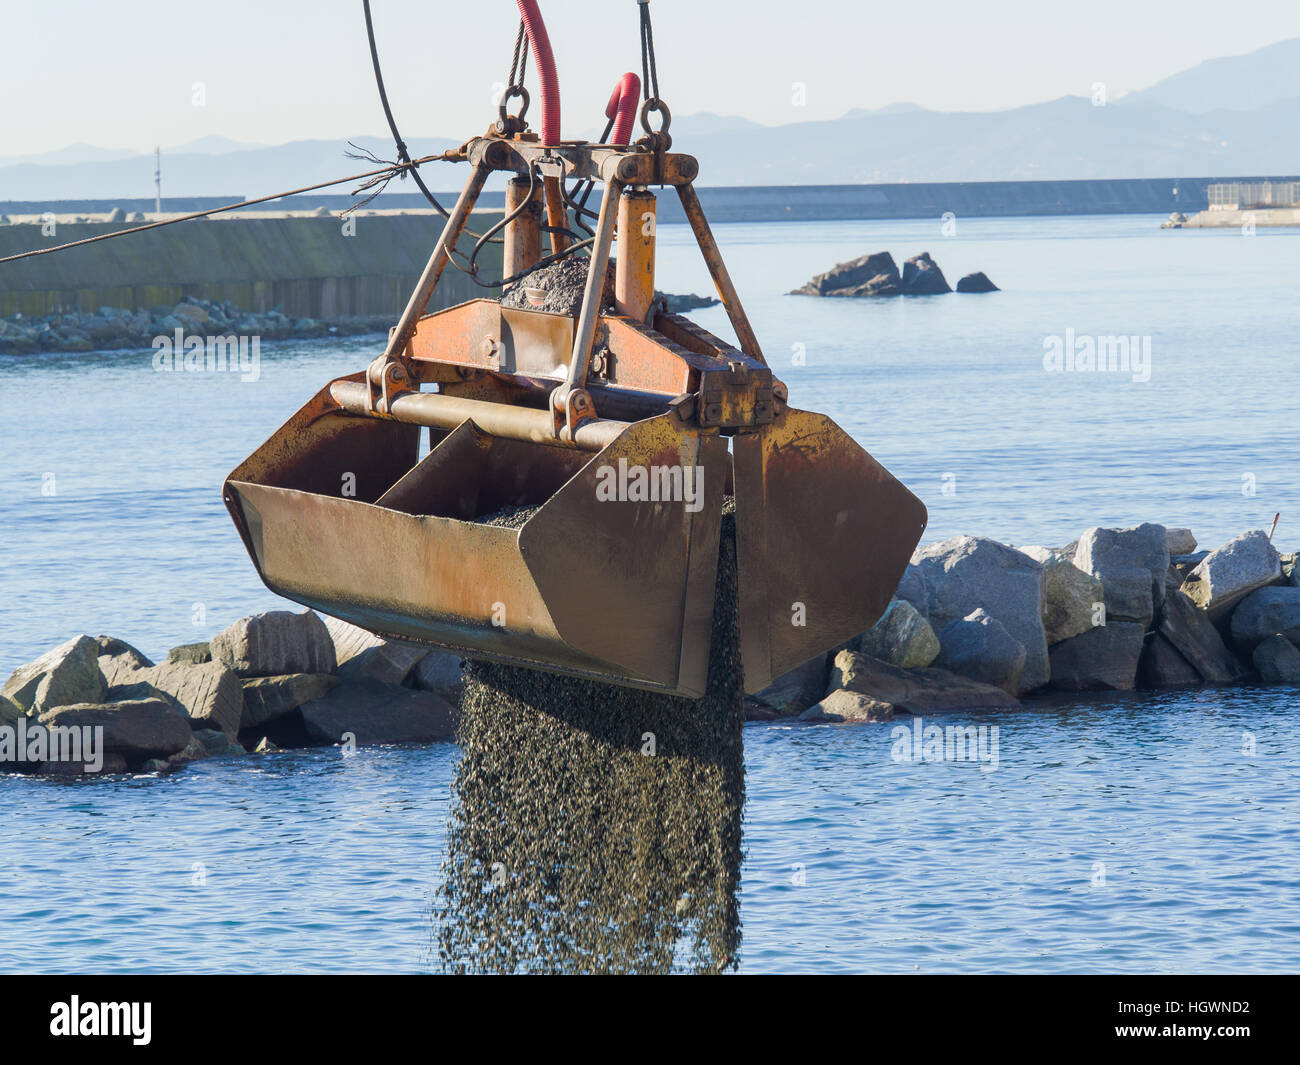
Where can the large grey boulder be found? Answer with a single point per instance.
(1277, 660)
(117, 658)
(922, 277)
(190, 654)
(1263, 613)
(851, 275)
(797, 690)
(843, 705)
(1101, 659)
(1132, 565)
(362, 655)
(1179, 541)
(1070, 596)
(978, 646)
(136, 730)
(976, 282)
(274, 644)
(440, 672)
(1163, 666)
(967, 573)
(1190, 631)
(1230, 573)
(378, 713)
(901, 637)
(267, 699)
(208, 693)
(914, 691)
(66, 675)
(913, 589)
(1180, 566)
(216, 744)
(1291, 568)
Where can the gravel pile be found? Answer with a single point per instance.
(508, 517)
(571, 847)
(562, 284)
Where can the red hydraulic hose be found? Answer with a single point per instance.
(622, 107)
(545, 59)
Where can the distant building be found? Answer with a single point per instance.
(1247, 196)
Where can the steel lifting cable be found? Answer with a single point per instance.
(518, 70)
(389, 171)
(402, 154)
(649, 69)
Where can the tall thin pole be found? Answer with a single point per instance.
(157, 180)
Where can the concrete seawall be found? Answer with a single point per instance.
(304, 266)
(1262, 217)
(971, 199)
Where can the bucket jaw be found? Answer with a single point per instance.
(567, 513)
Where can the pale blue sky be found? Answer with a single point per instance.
(120, 74)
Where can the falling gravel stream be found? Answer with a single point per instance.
(597, 828)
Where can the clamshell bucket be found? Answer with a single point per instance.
(566, 512)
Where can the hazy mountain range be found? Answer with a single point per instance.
(1236, 115)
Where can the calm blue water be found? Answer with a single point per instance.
(313, 862)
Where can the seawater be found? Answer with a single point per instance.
(1133, 833)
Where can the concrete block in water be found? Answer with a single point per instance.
(276, 643)
(1227, 575)
(66, 675)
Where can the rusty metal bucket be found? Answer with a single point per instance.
(338, 515)
(340, 512)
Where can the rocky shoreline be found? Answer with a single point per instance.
(273, 680)
(877, 275)
(113, 328)
(974, 625)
